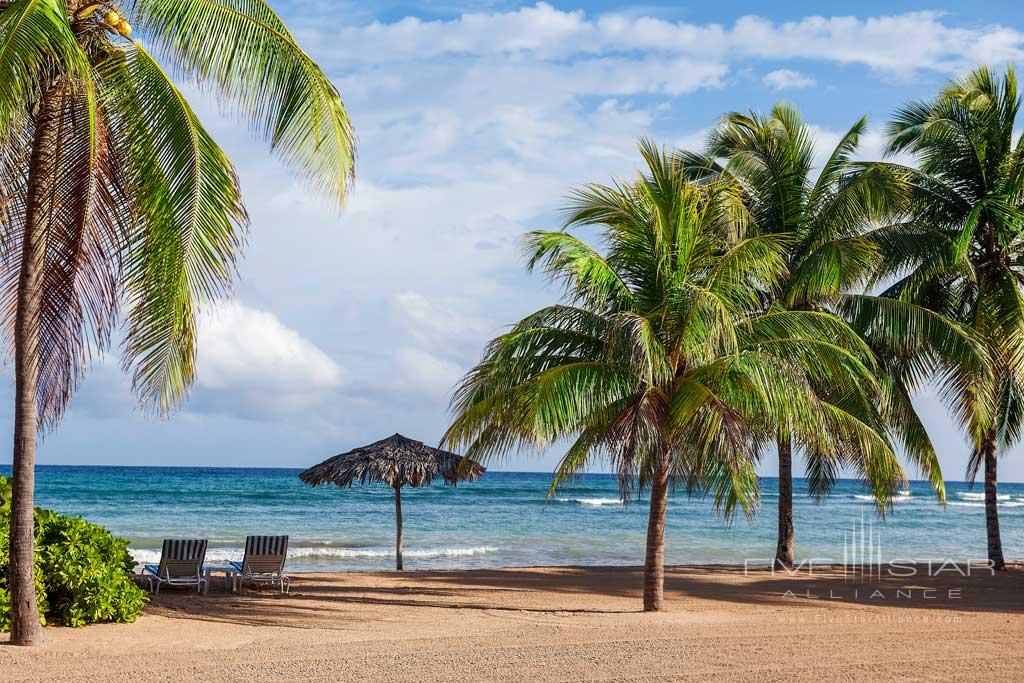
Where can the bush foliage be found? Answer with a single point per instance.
(83, 572)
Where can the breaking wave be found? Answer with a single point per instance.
(591, 501)
(976, 504)
(973, 495)
(900, 495)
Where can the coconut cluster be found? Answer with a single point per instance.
(113, 20)
(118, 23)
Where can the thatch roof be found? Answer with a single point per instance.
(396, 460)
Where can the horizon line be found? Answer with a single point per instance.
(278, 467)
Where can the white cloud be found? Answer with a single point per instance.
(248, 360)
(443, 342)
(425, 375)
(897, 43)
(439, 325)
(787, 79)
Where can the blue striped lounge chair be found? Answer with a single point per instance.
(181, 564)
(263, 562)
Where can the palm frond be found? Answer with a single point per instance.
(838, 161)
(910, 432)
(15, 154)
(244, 50)
(966, 217)
(191, 223)
(84, 220)
(35, 38)
(584, 272)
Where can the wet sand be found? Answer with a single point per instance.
(557, 624)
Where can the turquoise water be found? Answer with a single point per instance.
(500, 520)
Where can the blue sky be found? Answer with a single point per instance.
(474, 120)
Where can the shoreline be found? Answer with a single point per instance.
(555, 623)
(761, 565)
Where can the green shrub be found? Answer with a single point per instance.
(5, 564)
(83, 573)
(5, 495)
(5, 611)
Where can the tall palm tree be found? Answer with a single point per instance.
(111, 192)
(825, 216)
(961, 252)
(663, 359)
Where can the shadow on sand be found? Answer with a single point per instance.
(338, 601)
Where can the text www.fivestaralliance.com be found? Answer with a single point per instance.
(832, 618)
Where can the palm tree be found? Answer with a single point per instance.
(961, 251)
(823, 219)
(663, 359)
(112, 192)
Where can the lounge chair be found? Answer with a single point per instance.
(181, 564)
(263, 562)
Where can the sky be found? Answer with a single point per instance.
(474, 120)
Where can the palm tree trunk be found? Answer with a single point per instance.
(995, 545)
(25, 626)
(398, 527)
(784, 548)
(654, 565)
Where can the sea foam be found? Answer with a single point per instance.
(974, 495)
(976, 504)
(900, 495)
(591, 501)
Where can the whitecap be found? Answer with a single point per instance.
(144, 556)
(900, 495)
(591, 501)
(976, 504)
(381, 552)
(974, 495)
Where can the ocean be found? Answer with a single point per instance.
(502, 519)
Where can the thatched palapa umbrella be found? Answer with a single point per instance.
(396, 461)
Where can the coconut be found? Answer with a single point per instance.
(124, 28)
(113, 19)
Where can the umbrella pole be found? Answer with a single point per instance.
(398, 526)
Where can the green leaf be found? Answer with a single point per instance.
(33, 35)
(191, 223)
(242, 48)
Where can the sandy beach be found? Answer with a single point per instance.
(556, 624)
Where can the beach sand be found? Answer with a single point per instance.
(556, 624)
